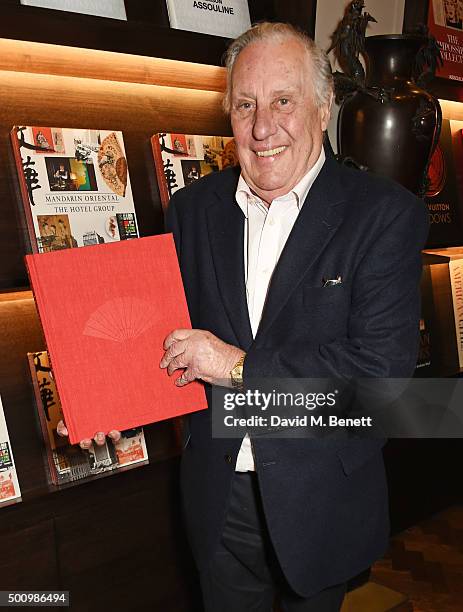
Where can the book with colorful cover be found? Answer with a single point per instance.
(105, 312)
(184, 158)
(9, 485)
(75, 187)
(445, 23)
(442, 194)
(66, 462)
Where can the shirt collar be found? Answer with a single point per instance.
(244, 194)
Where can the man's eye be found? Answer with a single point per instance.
(244, 105)
(283, 101)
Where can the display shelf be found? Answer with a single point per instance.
(146, 33)
(42, 58)
(51, 85)
(146, 38)
(140, 100)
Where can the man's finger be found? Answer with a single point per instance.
(115, 435)
(175, 336)
(62, 430)
(85, 444)
(186, 377)
(175, 349)
(176, 364)
(99, 438)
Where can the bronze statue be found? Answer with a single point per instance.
(349, 43)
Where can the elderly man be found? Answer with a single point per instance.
(287, 517)
(295, 267)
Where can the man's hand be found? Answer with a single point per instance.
(99, 437)
(201, 355)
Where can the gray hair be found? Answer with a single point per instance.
(322, 77)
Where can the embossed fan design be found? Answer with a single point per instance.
(120, 319)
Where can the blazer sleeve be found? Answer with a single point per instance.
(383, 324)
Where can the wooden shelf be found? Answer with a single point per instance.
(50, 85)
(33, 24)
(43, 58)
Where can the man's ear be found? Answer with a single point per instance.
(325, 113)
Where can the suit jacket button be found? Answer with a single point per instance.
(228, 458)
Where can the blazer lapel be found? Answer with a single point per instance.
(313, 230)
(225, 224)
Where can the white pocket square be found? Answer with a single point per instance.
(330, 282)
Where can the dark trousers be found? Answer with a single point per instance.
(244, 575)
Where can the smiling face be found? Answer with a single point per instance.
(277, 125)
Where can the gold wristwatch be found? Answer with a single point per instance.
(236, 373)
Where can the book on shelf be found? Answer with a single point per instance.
(443, 194)
(181, 159)
(68, 462)
(446, 319)
(105, 312)
(227, 18)
(114, 9)
(9, 486)
(445, 25)
(75, 187)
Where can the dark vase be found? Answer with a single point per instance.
(393, 135)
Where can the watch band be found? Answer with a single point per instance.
(236, 373)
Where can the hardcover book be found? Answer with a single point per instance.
(105, 312)
(445, 23)
(227, 18)
(9, 485)
(446, 272)
(75, 187)
(442, 195)
(66, 462)
(184, 158)
(115, 9)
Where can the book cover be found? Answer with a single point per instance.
(114, 9)
(75, 187)
(183, 158)
(66, 462)
(446, 271)
(442, 194)
(445, 23)
(105, 312)
(9, 485)
(227, 18)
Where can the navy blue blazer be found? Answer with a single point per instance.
(325, 501)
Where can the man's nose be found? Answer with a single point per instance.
(264, 123)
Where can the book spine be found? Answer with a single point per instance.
(159, 165)
(39, 301)
(456, 280)
(42, 419)
(25, 201)
(171, 12)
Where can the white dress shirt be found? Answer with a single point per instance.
(266, 231)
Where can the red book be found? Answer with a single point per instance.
(105, 311)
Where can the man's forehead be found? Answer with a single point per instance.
(259, 65)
